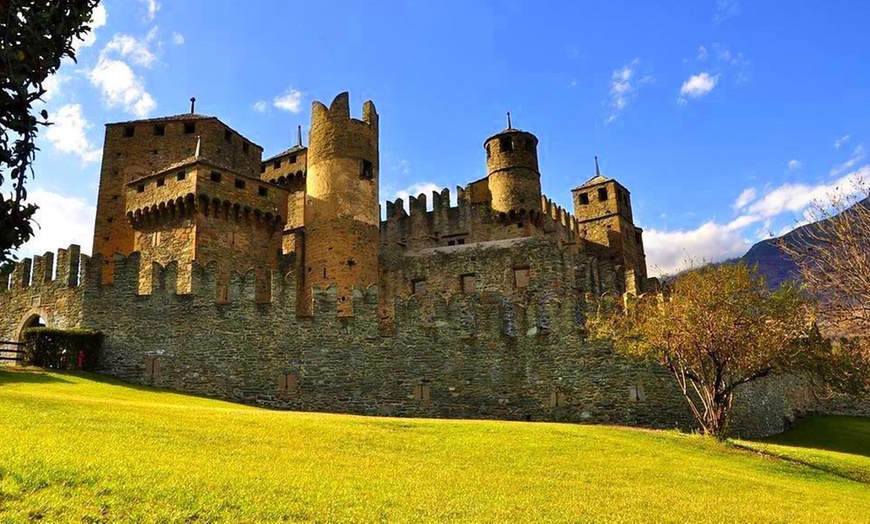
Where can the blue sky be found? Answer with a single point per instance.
(724, 118)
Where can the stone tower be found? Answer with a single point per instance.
(603, 209)
(138, 149)
(342, 219)
(512, 170)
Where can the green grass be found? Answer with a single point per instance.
(78, 448)
(839, 445)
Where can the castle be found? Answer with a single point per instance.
(277, 282)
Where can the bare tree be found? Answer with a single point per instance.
(832, 256)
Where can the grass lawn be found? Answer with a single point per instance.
(79, 448)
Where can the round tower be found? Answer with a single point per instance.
(342, 219)
(512, 170)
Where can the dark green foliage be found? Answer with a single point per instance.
(59, 348)
(35, 35)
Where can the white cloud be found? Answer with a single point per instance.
(290, 100)
(151, 6)
(121, 87)
(177, 38)
(857, 156)
(415, 190)
(702, 53)
(794, 165)
(260, 106)
(52, 85)
(747, 196)
(127, 46)
(98, 20)
(668, 251)
(726, 9)
(698, 86)
(67, 133)
(841, 141)
(623, 88)
(60, 221)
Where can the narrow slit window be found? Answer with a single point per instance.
(228, 136)
(367, 170)
(505, 144)
(602, 194)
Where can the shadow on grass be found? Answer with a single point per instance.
(28, 375)
(832, 433)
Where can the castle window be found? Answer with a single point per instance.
(367, 170)
(505, 144)
(451, 242)
(584, 199)
(519, 225)
(161, 182)
(418, 286)
(460, 241)
(636, 394)
(292, 159)
(228, 136)
(155, 239)
(245, 147)
(181, 175)
(530, 145)
(159, 130)
(488, 152)
(602, 194)
(557, 399)
(423, 394)
(276, 164)
(467, 283)
(240, 184)
(231, 238)
(152, 368)
(521, 278)
(140, 188)
(189, 128)
(262, 191)
(129, 131)
(223, 294)
(214, 176)
(288, 383)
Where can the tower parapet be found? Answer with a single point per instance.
(341, 204)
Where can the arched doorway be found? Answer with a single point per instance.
(33, 318)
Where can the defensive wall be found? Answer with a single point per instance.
(472, 354)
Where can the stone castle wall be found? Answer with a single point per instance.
(464, 354)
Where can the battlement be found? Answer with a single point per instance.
(445, 223)
(39, 271)
(338, 112)
(198, 185)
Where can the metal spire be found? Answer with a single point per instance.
(192, 104)
(509, 120)
(597, 171)
(299, 136)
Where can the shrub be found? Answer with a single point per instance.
(59, 348)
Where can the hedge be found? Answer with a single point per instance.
(59, 348)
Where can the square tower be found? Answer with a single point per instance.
(603, 209)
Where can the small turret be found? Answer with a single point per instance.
(512, 170)
(342, 220)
